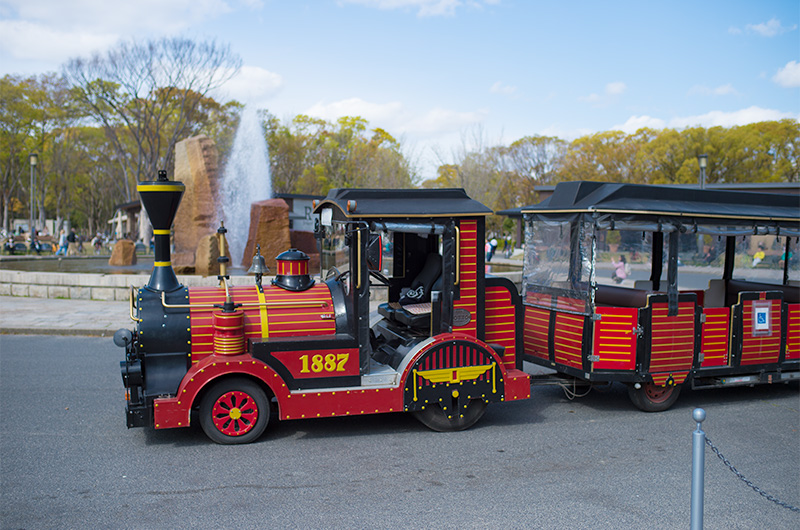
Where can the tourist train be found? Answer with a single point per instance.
(449, 338)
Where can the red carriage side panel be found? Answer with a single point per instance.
(536, 330)
(615, 338)
(672, 342)
(714, 337)
(500, 323)
(761, 330)
(468, 276)
(793, 332)
(569, 340)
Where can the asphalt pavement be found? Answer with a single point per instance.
(68, 461)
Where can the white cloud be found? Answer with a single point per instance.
(35, 42)
(591, 98)
(253, 85)
(616, 88)
(611, 90)
(565, 134)
(789, 75)
(55, 30)
(714, 118)
(722, 90)
(395, 117)
(771, 28)
(121, 17)
(439, 121)
(425, 8)
(375, 113)
(634, 123)
(500, 88)
(730, 119)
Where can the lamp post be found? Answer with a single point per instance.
(703, 161)
(34, 159)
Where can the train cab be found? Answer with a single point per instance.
(423, 310)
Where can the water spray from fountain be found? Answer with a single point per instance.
(246, 179)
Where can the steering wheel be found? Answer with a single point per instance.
(380, 277)
(333, 272)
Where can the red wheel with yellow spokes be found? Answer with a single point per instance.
(234, 411)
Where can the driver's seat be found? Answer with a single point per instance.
(418, 295)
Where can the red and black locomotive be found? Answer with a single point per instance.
(449, 339)
(445, 343)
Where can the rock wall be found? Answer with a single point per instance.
(196, 165)
(205, 262)
(305, 241)
(123, 253)
(269, 227)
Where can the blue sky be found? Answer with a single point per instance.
(444, 74)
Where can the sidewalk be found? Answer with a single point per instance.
(48, 316)
(22, 315)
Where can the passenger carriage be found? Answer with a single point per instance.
(693, 309)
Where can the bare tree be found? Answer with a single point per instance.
(146, 96)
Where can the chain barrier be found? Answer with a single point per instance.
(744, 479)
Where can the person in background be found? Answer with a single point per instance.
(62, 243)
(759, 256)
(621, 269)
(97, 243)
(34, 242)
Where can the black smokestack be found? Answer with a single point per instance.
(161, 199)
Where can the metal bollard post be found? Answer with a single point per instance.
(698, 466)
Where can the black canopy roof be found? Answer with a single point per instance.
(385, 203)
(631, 199)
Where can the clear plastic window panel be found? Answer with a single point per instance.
(624, 258)
(554, 276)
(335, 252)
(701, 258)
(761, 258)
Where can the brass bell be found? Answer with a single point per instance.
(259, 266)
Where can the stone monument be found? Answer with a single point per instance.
(269, 227)
(205, 261)
(123, 253)
(196, 165)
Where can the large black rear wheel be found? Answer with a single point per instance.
(234, 411)
(436, 418)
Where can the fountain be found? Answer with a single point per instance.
(208, 199)
(246, 179)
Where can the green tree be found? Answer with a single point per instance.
(312, 156)
(16, 124)
(534, 161)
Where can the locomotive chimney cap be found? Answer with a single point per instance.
(293, 271)
(292, 255)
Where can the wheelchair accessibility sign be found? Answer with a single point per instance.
(762, 318)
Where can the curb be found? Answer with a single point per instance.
(56, 331)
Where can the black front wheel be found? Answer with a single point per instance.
(436, 418)
(650, 397)
(234, 411)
